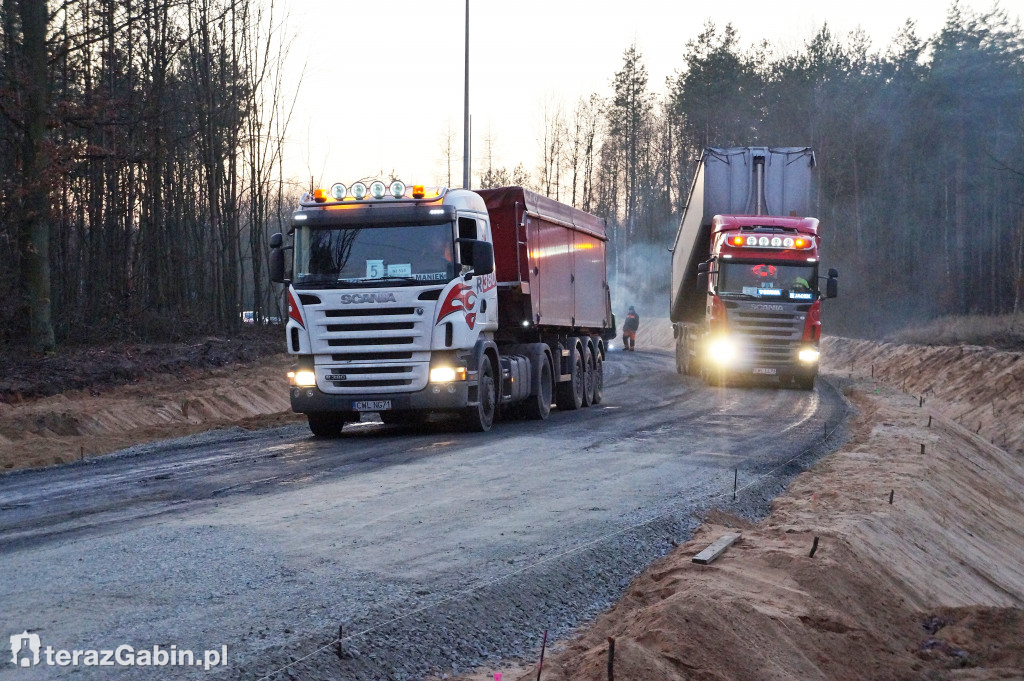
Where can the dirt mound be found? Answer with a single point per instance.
(137, 395)
(979, 387)
(24, 377)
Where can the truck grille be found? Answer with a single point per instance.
(393, 343)
(772, 337)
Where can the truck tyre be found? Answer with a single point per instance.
(480, 417)
(685, 362)
(569, 394)
(589, 371)
(326, 424)
(598, 378)
(538, 407)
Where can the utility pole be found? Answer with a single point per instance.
(465, 115)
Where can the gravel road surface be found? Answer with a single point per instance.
(434, 551)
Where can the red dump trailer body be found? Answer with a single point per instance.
(550, 262)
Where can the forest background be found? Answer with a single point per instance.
(141, 168)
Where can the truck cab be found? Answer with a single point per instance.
(763, 303)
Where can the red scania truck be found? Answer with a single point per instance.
(412, 301)
(745, 300)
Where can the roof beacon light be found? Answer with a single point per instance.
(418, 192)
(397, 189)
(737, 241)
(359, 191)
(320, 195)
(377, 189)
(800, 243)
(339, 191)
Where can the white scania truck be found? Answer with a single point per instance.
(413, 301)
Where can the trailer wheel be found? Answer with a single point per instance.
(588, 377)
(538, 407)
(480, 417)
(326, 424)
(598, 379)
(569, 394)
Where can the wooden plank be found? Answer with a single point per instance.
(715, 550)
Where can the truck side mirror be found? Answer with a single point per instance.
(832, 283)
(702, 276)
(831, 286)
(276, 259)
(483, 258)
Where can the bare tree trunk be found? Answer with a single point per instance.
(34, 238)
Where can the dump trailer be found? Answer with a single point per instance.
(410, 302)
(745, 298)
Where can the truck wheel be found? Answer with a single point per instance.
(685, 362)
(480, 417)
(588, 377)
(326, 424)
(569, 394)
(598, 379)
(538, 407)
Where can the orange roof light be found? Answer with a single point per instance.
(738, 241)
(800, 243)
(320, 195)
(418, 192)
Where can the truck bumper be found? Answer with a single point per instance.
(435, 397)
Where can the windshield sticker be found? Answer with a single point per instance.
(400, 270)
(432, 276)
(374, 269)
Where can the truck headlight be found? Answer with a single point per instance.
(809, 355)
(304, 378)
(446, 374)
(722, 351)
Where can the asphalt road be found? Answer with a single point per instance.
(432, 549)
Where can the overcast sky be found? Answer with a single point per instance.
(384, 80)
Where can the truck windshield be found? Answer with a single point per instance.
(373, 256)
(764, 279)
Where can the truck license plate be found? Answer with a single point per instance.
(765, 371)
(372, 405)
